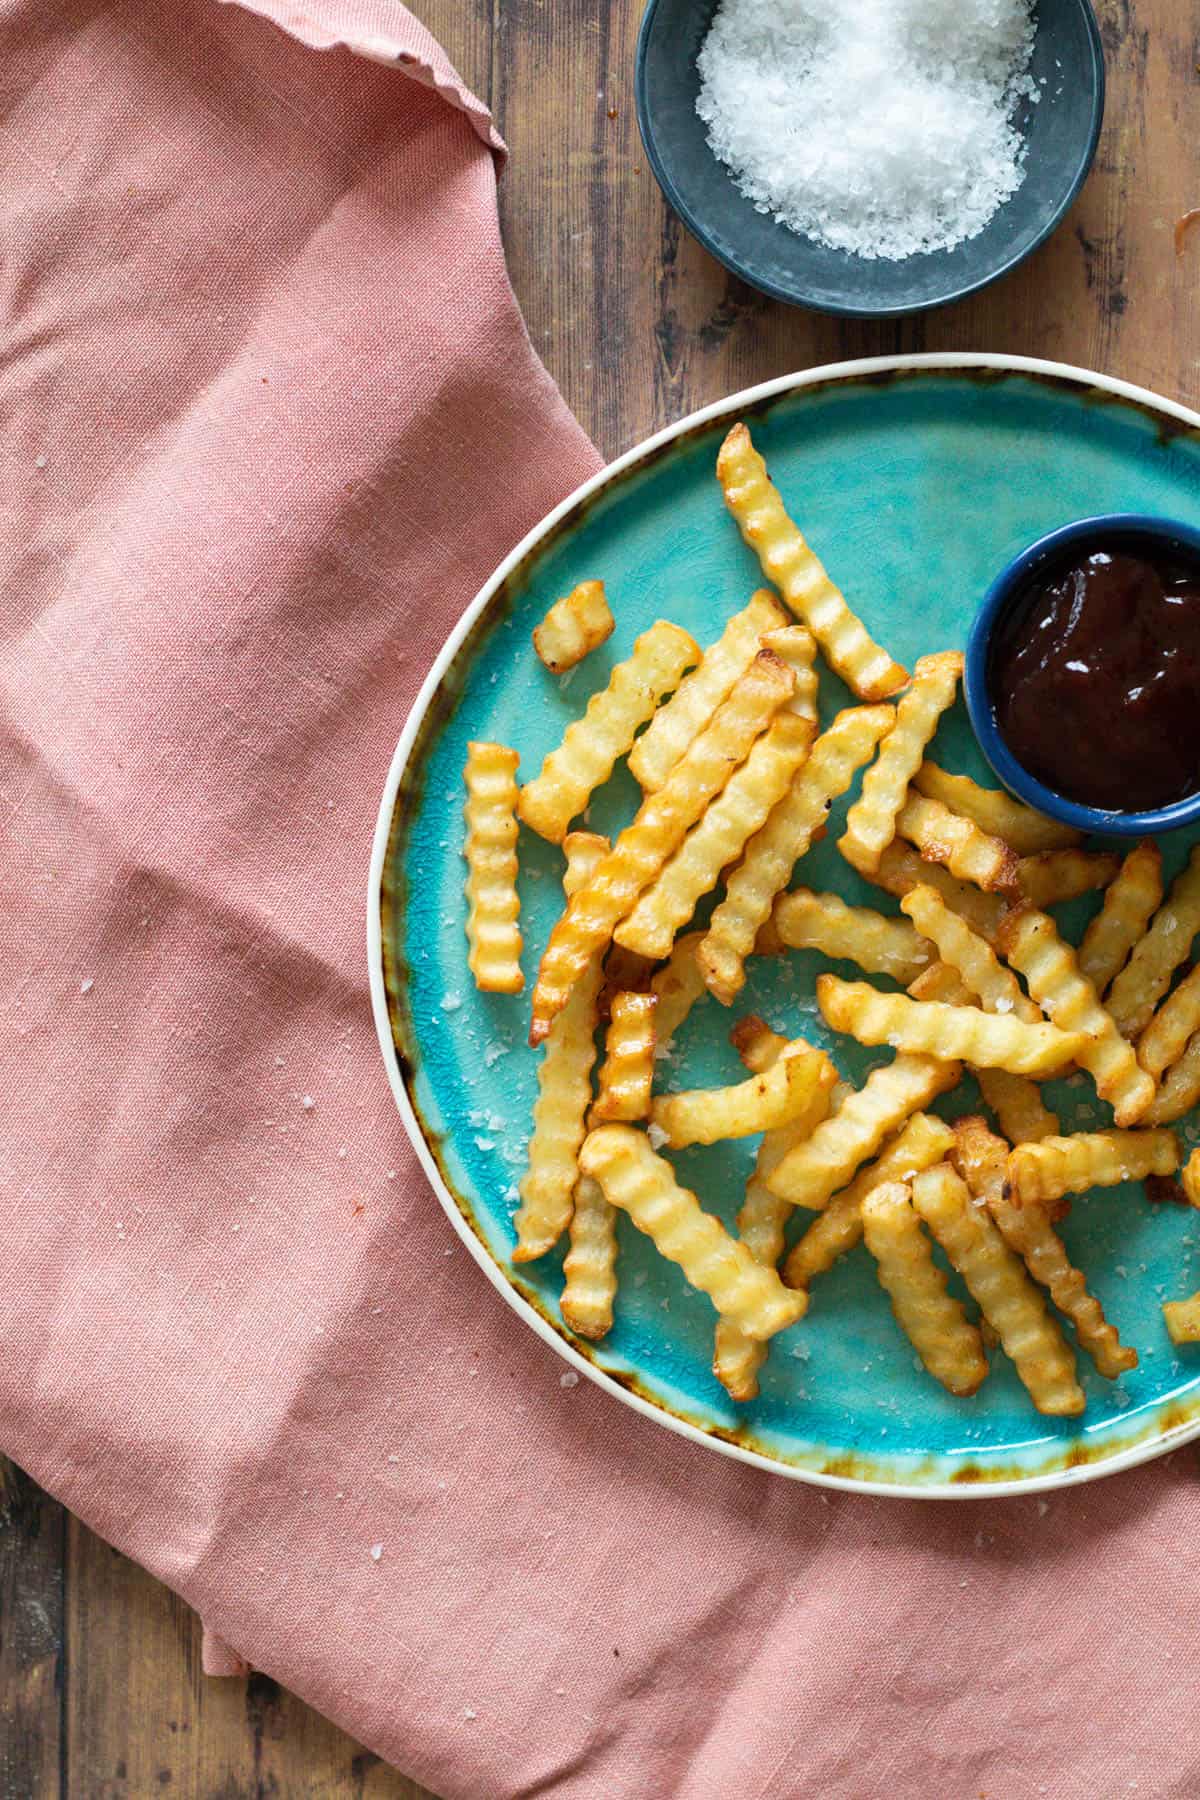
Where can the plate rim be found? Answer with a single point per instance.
(1144, 1450)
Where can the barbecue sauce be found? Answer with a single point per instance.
(1095, 678)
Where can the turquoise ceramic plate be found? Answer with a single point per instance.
(916, 480)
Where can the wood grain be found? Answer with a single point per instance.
(100, 1689)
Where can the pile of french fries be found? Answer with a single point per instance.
(737, 783)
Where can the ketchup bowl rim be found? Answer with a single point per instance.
(1010, 584)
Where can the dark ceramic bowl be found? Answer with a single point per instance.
(1061, 131)
(1137, 532)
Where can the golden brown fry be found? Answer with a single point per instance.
(1015, 1100)
(1057, 875)
(1130, 901)
(932, 1320)
(1179, 1090)
(592, 744)
(871, 821)
(781, 1093)
(763, 1215)
(564, 1088)
(699, 694)
(772, 852)
(982, 1160)
(662, 819)
(1146, 977)
(1030, 942)
(1166, 1036)
(627, 1072)
(942, 982)
(987, 1040)
(944, 837)
(575, 625)
(677, 986)
(491, 852)
(1044, 1171)
(814, 1171)
(1190, 1179)
(998, 989)
(797, 646)
(590, 1265)
(1023, 830)
(624, 973)
(881, 946)
(1183, 1320)
(642, 1184)
(901, 869)
(1018, 1105)
(787, 561)
(1007, 1297)
(923, 1141)
(719, 837)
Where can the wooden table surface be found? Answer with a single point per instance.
(101, 1694)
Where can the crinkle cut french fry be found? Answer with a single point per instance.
(761, 1220)
(995, 812)
(625, 972)
(1190, 1179)
(933, 1321)
(1179, 1090)
(797, 646)
(564, 1088)
(1183, 1320)
(1018, 1105)
(662, 819)
(1029, 941)
(998, 989)
(493, 933)
(1057, 875)
(814, 1171)
(987, 1040)
(1130, 901)
(590, 1265)
(591, 745)
(699, 694)
(643, 1185)
(901, 869)
(802, 580)
(772, 852)
(627, 1073)
(1045, 1171)
(718, 837)
(1015, 1100)
(574, 626)
(677, 986)
(1146, 977)
(982, 1160)
(881, 946)
(1166, 1036)
(957, 843)
(944, 983)
(996, 1278)
(780, 1093)
(871, 821)
(925, 1140)
(759, 1047)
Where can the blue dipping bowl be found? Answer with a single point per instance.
(1137, 532)
(1060, 131)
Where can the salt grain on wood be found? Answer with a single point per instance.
(880, 127)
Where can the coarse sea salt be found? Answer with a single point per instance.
(880, 127)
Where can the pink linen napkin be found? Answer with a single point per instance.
(270, 417)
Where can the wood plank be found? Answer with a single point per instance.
(142, 1718)
(32, 1536)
